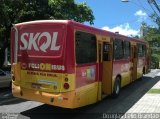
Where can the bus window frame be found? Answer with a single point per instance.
(124, 49)
(86, 63)
(118, 40)
(108, 52)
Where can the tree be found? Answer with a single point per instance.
(152, 35)
(156, 19)
(14, 11)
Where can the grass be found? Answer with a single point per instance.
(157, 91)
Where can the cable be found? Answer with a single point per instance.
(153, 9)
(141, 6)
(155, 4)
(159, 0)
(150, 2)
(146, 10)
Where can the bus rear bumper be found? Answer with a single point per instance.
(72, 99)
(57, 99)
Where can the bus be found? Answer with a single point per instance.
(68, 64)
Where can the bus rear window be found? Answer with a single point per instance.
(85, 47)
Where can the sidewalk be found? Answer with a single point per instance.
(158, 74)
(149, 103)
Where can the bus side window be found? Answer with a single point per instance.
(85, 47)
(106, 52)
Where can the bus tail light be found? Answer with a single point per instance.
(66, 79)
(66, 86)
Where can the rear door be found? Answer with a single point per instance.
(107, 66)
(134, 61)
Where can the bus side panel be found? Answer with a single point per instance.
(86, 85)
(86, 73)
(122, 68)
(69, 50)
(140, 66)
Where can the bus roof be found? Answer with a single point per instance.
(88, 28)
(105, 32)
(42, 21)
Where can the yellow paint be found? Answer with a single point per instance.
(107, 77)
(107, 65)
(99, 91)
(70, 98)
(80, 97)
(16, 67)
(134, 61)
(58, 80)
(86, 95)
(113, 81)
(101, 38)
(139, 72)
(133, 43)
(50, 82)
(125, 78)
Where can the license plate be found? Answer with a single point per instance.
(36, 86)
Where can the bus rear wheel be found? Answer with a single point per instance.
(117, 87)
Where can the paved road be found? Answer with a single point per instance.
(5, 95)
(35, 110)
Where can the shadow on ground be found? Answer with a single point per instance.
(12, 101)
(128, 97)
(6, 97)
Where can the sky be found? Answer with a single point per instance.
(122, 17)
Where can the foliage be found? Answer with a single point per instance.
(14, 11)
(156, 19)
(152, 35)
(155, 61)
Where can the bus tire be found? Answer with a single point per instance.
(117, 87)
